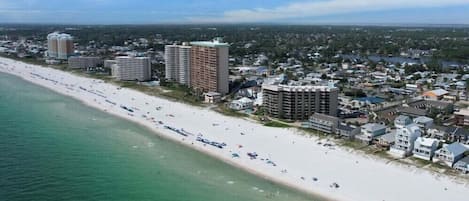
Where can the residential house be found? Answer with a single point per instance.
(347, 131)
(405, 138)
(462, 165)
(423, 122)
(324, 123)
(436, 94)
(449, 154)
(387, 140)
(370, 132)
(437, 132)
(212, 97)
(462, 117)
(424, 148)
(456, 134)
(402, 121)
(241, 104)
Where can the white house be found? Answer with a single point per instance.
(462, 165)
(450, 154)
(370, 132)
(405, 138)
(424, 148)
(402, 121)
(241, 104)
(424, 122)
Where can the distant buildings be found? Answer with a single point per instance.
(84, 62)
(209, 66)
(59, 46)
(178, 63)
(299, 102)
(132, 68)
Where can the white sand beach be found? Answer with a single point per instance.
(284, 156)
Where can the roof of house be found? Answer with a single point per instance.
(464, 160)
(345, 127)
(464, 112)
(372, 100)
(388, 137)
(245, 100)
(325, 117)
(373, 126)
(456, 131)
(402, 119)
(412, 111)
(436, 92)
(423, 119)
(456, 148)
(426, 141)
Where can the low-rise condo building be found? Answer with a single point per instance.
(299, 102)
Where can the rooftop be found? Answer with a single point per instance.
(345, 127)
(437, 92)
(324, 117)
(423, 119)
(214, 43)
(428, 142)
(373, 126)
(292, 88)
(455, 148)
(464, 160)
(388, 137)
(464, 112)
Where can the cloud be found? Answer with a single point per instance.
(321, 8)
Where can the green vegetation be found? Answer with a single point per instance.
(223, 109)
(277, 124)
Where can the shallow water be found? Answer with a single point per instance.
(53, 147)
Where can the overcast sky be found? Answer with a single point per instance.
(235, 11)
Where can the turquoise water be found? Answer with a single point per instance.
(53, 147)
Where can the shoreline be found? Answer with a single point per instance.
(179, 142)
(271, 146)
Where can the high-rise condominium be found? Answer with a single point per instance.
(209, 66)
(60, 46)
(132, 68)
(178, 61)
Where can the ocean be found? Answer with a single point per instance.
(53, 147)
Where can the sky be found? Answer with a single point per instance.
(235, 11)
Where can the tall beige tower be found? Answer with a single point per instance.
(52, 48)
(209, 66)
(59, 46)
(64, 46)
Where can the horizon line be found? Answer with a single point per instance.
(384, 24)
